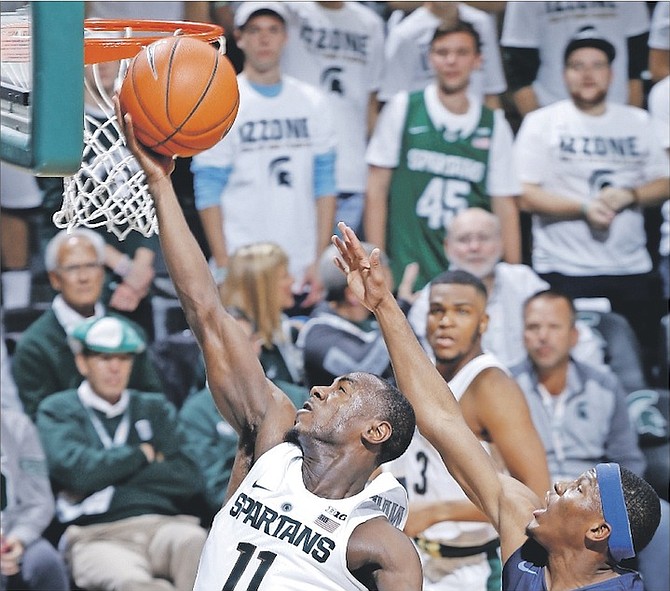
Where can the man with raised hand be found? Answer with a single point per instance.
(306, 514)
(584, 528)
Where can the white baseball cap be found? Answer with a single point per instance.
(245, 10)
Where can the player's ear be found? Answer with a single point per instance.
(599, 531)
(378, 432)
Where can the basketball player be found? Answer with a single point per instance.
(457, 545)
(303, 517)
(584, 528)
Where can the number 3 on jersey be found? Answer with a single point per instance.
(441, 200)
(247, 552)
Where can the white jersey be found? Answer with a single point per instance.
(274, 534)
(574, 155)
(426, 477)
(549, 26)
(385, 143)
(341, 51)
(406, 63)
(271, 147)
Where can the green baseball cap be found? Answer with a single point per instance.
(108, 335)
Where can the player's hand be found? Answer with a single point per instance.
(156, 166)
(365, 275)
(11, 556)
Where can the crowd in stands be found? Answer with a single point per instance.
(510, 160)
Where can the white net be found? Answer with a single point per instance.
(110, 188)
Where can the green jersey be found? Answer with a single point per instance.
(438, 174)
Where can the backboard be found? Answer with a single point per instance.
(41, 86)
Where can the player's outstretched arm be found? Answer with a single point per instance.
(234, 374)
(438, 414)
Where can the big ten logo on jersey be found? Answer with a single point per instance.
(281, 526)
(287, 132)
(394, 512)
(329, 42)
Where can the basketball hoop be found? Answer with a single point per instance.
(110, 188)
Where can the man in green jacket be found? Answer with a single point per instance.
(118, 470)
(43, 362)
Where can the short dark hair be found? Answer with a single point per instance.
(552, 294)
(393, 406)
(642, 506)
(460, 277)
(457, 27)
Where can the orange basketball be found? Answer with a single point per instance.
(182, 95)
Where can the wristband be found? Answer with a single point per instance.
(584, 210)
(219, 274)
(122, 267)
(635, 194)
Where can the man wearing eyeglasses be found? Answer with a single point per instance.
(589, 167)
(43, 362)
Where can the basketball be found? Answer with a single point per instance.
(182, 96)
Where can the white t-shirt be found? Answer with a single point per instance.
(271, 147)
(549, 26)
(385, 143)
(572, 154)
(406, 63)
(277, 534)
(18, 188)
(658, 104)
(340, 51)
(659, 33)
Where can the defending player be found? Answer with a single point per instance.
(303, 518)
(583, 529)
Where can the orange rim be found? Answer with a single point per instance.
(101, 48)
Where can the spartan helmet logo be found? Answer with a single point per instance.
(330, 80)
(646, 416)
(279, 171)
(600, 179)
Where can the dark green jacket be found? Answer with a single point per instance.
(80, 464)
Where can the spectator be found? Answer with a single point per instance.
(341, 336)
(535, 35)
(119, 472)
(588, 167)
(210, 441)
(339, 48)
(434, 153)
(43, 362)
(272, 177)
(27, 560)
(567, 398)
(260, 285)
(9, 394)
(19, 198)
(407, 51)
(474, 244)
(457, 545)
